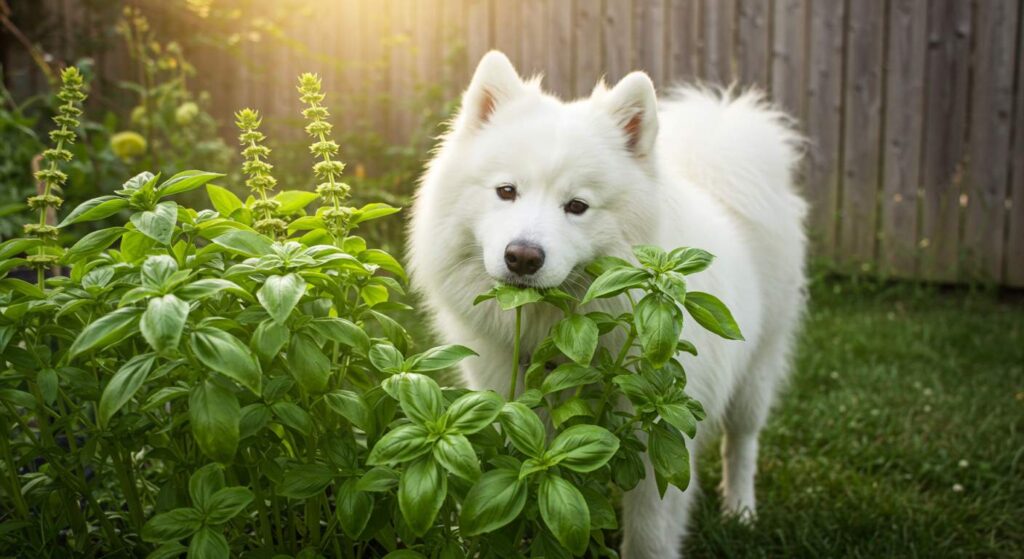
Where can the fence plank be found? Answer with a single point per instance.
(719, 19)
(453, 31)
(1014, 254)
(752, 43)
(507, 26)
(683, 41)
(618, 39)
(589, 54)
(534, 46)
(945, 117)
(902, 144)
(789, 49)
(649, 34)
(824, 123)
(861, 142)
(478, 30)
(989, 148)
(559, 73)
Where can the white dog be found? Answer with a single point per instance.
(528, 189)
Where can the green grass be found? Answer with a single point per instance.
(900, 435)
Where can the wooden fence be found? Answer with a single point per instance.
(914, 108)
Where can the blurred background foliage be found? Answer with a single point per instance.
(163, 91)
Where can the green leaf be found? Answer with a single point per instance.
(14, 247)
(576, 337)
(650, 256)
(569, 375)
(673, 284)
(669, 456)
(123, 385)
(602, 264)
(385, 261)
(204, 482)
(584, 448)
(712, 314)
(214, 415)
(351, 406)
(223, 353)
(386, 358)
(690, 260)
(573, 407)
(420, 397)
(95, 209)
(456, 454)
(438, 358)
(302, 481)
(246, 243)
(602, 513)
(353, 507)
(293, 416)
(421, 492)
(208, 543)
(185, 181)
(615, 281)
(269, 338)
(223, 200)
(344, 332)
(173, 525)
(378, 479)
(565, 513)
(510, 297)
(294, 200)
(163, 322)
(523, 428)
(374, 210)
(658, 325)
(158, 223)
(108, 329)
(472, 412)
(680, 417)
(93, 243)
(402, 444)
(157, 272)
(206, 287)
(494, 501)
(280, 294)
(308, 364)
(226, 504)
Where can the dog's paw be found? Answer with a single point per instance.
(744, 512)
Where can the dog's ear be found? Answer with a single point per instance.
(634, 107)
(494, 82)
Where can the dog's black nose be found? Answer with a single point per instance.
(523, 258)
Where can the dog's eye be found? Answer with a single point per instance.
(506, 192)
(576, 206)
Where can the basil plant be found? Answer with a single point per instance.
(238, 381)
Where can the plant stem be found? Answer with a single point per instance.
(515, 355)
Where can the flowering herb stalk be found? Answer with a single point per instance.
(258, 169)
(333, 193)
(71, 95)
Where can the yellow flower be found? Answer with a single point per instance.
(127, 144)
(186, 113)
(139, 115)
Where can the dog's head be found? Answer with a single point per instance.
(525, 189)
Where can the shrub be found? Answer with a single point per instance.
(218, 382)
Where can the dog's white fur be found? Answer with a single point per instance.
(700, 169)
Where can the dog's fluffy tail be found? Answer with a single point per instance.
(738, 148)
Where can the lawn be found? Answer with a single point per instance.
(901, 434)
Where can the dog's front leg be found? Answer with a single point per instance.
(654, 526)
